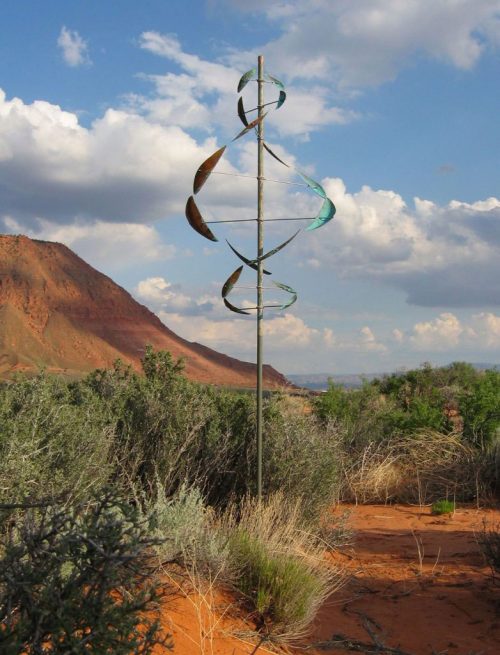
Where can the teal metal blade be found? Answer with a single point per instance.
(326, 213)
(249, 262)
(274, 80)
(237, 310)
(281, 99)
(245, 79)
(285, 287)
(313, 185)
(278, 248)
(231, 281)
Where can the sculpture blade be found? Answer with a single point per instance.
(274, 80)
(275, 155)
(245, 79)
(203, 173)
(250, 126)
(249, 262)
(326, 213)
(196, 220)
(281, 99)
(231, 281)
(241, 112)
(313, 185)
(237, 310)
(278, 248)
(285, 287)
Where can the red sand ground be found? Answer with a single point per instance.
(419, 586)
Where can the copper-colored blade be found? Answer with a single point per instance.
(275, 155)
(196, 220)
(245, 79)
(203, 173)
(278, 248)
(234, 309)
(231, 281)
(250, 126)
(241, 112)
(249, 262)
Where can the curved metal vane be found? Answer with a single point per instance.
(245, 79)
(288, 289)
(232, 308)
(196, 220)
(231, 281)
(326, 213)
(203, 173)
(252, 263)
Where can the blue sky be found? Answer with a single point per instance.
(108, 108)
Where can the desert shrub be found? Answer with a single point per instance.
(300, 458)
(51, 442)
(480, 409)
(489, 543)
(443, 506)
(187, 532)
(278, 564)
(78, 580)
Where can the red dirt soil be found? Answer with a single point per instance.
(58, 312)
(445, 603)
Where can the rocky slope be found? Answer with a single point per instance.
(58, 312)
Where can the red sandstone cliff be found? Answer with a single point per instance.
(57, 311)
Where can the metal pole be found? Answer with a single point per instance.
(260, 252)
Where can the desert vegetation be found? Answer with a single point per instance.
(122, 474)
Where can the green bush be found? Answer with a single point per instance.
(78, 580)
(52, 442)
(443, 507)
(282, 589)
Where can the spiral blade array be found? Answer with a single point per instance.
(197, 222)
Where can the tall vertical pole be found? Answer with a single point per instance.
(260, 252)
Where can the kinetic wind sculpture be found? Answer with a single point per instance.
(325, 214)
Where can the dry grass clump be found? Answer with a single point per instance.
(421, 467)
(280, 564)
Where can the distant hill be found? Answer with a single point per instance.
(319, 381)
(58, 312)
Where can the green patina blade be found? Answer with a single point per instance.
(245, 79)
(196, 220)
(326, 213)
(274, 80)
(285, 287)
(281, 99)
(313, 185)
(231, 281)
(203, 173)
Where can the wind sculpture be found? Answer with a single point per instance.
(193, 215)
